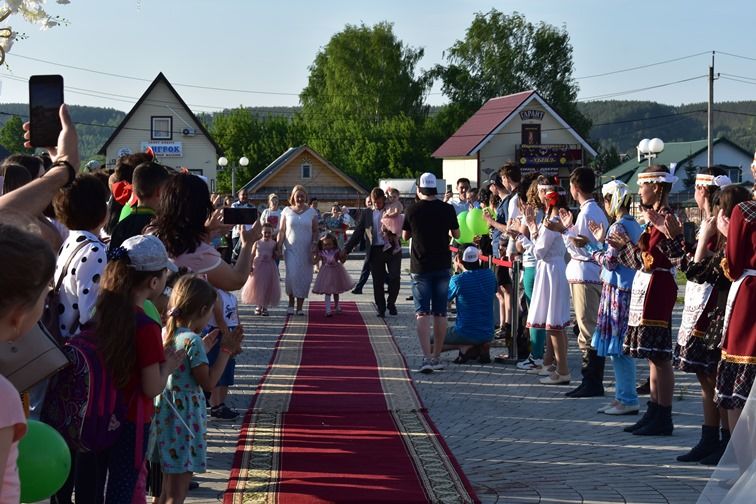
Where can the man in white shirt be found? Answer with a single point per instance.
(459, 202)
(585, 283)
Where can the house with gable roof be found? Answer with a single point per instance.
(679, 156)
(161, 120)
(303, 165)
(522, 128)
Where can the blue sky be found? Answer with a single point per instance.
(266, 46)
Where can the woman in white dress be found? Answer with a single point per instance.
(550, 304)
(297, 239)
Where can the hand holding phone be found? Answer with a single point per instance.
(45, 100)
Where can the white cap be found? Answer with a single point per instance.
(147, 253)
(427, 184)
(471, 254)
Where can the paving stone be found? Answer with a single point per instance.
(517, 441)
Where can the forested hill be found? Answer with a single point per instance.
(93, 124)
(624, 123)
(618, 123)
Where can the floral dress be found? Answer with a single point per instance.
(179, 428)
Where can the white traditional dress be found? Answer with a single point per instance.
(297, 250)
(550, 304)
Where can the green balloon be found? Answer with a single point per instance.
(476, 222)
(44, 462)
(465, 233)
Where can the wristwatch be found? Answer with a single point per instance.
(71, 170)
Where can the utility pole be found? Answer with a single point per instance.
(710, 145)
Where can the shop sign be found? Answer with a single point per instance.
(165, 149)
(527, 115)
(548, 158)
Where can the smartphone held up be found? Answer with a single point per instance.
(239, 215)
(45, 99)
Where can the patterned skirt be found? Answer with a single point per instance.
(696, 357)
(611, 323)
(648, 342)
(734, 383)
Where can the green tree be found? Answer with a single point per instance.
(503, 54)
(606, 159)
(363, 107)
(690, 174)
(261, 139)
(12, 136)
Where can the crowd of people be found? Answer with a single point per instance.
(618, 277)
(144, 265)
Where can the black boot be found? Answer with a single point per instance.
(708, 444)
(583, 367)
(593, 375)
(713, 457)
(660, 424)
(646, 418)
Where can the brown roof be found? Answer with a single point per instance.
(480, 125)
(160, 78)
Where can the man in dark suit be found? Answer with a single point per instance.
(382, 262)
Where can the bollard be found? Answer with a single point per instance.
(515, 306)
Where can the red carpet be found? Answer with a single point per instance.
(337, 419)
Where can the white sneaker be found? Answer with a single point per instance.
(530, 363)
(290, 310)
(425, 367)
(556, 379)
(623, 409)
(605, 407)
(547, 370)
(437, 364)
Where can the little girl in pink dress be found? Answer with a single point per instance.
(392, 221)
(263, 287)
(332, 278)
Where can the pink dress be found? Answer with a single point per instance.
(11, 415)
(332, 277)
(263, 287)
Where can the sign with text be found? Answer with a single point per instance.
(165, 149)
(548, 158)
(527, 115)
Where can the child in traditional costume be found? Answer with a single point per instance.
(659, 251)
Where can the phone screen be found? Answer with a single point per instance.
(239, 215)
(45, 99)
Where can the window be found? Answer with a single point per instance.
(531, 134)
(734, 174)
(306, 171)
(162, 128)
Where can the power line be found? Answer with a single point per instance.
(130, 77)
(736, 56)
(642, 66)
(631, 91)
(738, 80)
(178, 84)
(739, 76)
